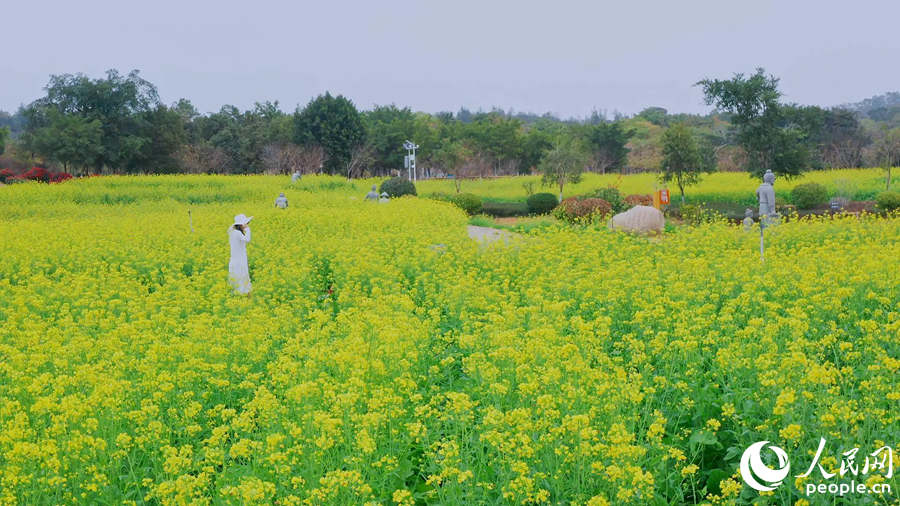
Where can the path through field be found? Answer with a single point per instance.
(488, 235)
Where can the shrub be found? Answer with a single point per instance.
(504, 209)
(610, 195)
(6, 174)
(809, 195)
(638, 200)
(37, 174)
(542, 203)
(397, 187)
(575, 210)
(468, 202)
(888, 200)
(59, 177)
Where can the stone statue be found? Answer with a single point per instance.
(766, 196)
(748, 219)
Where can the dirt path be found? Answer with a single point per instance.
(488, 235)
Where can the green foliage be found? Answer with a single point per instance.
(611, 195)
(468, 202)
(387, 127)
(563, 164)
(333, 123)
(126, 108)
(504, 209)
(809, 195)
(767, 130)
(888, 200)
(71, 140)
(683, 161)
(606, 144)
(542, 203)
(397, 187)
(4, 134)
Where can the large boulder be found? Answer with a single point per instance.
(639, 220)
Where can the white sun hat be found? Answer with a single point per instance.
(242, 219)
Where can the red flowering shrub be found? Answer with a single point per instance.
(6, 174)
(575, 210)
(37, 174)
(639, 200)
(59, 177)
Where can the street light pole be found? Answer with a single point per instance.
(411, 160)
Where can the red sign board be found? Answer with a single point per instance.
(664, 197)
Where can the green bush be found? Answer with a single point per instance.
(468, 202)
(809, 195)
(504, 209)
(542, 203)
(612, 196)
(888, 200)
(397, 187)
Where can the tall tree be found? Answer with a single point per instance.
(606, 143)
(333, 123)
(117, 102)
(562, 165)
(73, 141)
(885, 151)
(387, 126)
(4, 134)
(683, 160)
(764, 130)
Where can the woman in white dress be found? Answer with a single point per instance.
(238, 271)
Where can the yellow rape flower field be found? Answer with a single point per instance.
(383, 357)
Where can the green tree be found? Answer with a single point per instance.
(562, 165)
(535, 143)
(165, 129)
(606, 144)
(119, 103)
(683, 158)
(70, 140)
(451, 157)
(333, 123)
(4, 134)
(387, 126)
(764, 127)
(886, 152)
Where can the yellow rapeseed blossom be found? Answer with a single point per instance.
(385, 358)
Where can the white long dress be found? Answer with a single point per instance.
(238, 270)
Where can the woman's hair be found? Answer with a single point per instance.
(238, 227)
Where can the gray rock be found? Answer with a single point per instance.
(639, 220)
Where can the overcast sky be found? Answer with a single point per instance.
(566, 57)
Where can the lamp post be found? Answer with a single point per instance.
(410, 161)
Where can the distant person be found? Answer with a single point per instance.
(238, 270)
(295, 176)
(373, 195)
(384, 197)
(281, 202)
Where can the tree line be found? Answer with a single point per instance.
(117, 124)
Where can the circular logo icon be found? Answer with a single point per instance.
(757, 474)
